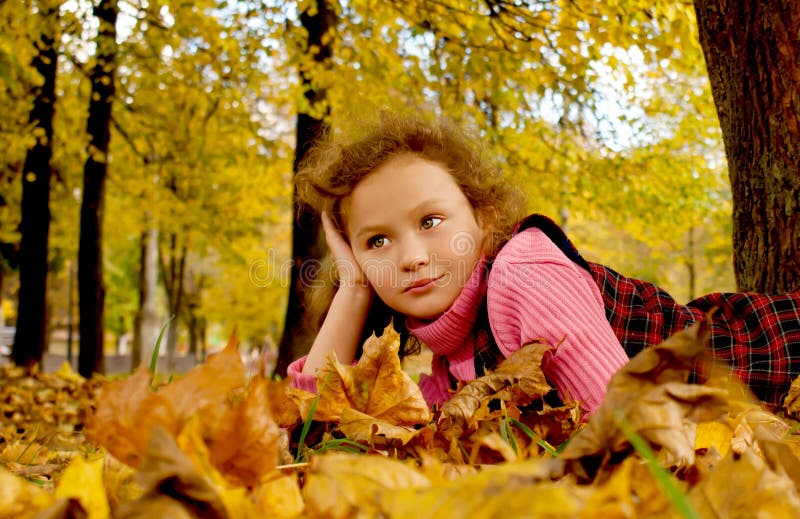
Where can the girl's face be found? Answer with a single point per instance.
(414, 234)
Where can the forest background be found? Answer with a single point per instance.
(601, 111)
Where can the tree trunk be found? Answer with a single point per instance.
(90, 252)
(193, 296)
(752, 52)
(145, 331)
(31, 336)
(173, 284)
(306, 236)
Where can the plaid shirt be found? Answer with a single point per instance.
(757, 335)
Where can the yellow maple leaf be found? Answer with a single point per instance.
(83, 480)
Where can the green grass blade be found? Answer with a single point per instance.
(304, 432)
(663, 477)
(508, 435)
(307, 423)
(30, 444)
(549, 449)
(157, 346)
(791, 431)
(342, 444)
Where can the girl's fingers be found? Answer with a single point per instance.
(339, 247)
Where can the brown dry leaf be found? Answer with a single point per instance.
(243, 444)
(301, 399)
(340, 485)
(207, 386)
(744, 486)
(364, 428)
(652, 394)
(792, 400)
(522, 369)
(779, 454)
(745, 423)
(521, 489)
(127, 410)
(285, 410)
(376, 386)
(173, 486)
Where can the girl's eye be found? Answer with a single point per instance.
(376, 242)
(429, 222)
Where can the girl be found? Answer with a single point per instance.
(424, 231)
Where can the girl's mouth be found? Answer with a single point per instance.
(421, 285)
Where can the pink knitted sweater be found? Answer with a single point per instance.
(533, 291)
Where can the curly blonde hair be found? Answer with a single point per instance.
(334, 166)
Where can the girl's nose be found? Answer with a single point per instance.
(415, 255)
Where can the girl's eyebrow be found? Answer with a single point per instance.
(372, 229)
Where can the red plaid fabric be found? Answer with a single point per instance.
(757, 335)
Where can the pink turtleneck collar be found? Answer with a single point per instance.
(450, 335)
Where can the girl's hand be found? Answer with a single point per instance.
(349, 272)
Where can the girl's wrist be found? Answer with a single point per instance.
(357, 293)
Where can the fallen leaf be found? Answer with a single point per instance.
(744, 486)
(83, 481)
(364, 428)
(652, 394)
(715, 435)
(376, 385)
(342, 485)
(521, 489)
(173, 487)
(522, 369)
(792, 400)
(127, 410)
(243, 444)
(207, 387)
(631, 491)
(280, 497)
(19, 497)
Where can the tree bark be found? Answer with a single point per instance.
(145, 331)
(30, 339)
(90, 250)
(306, 236)
(752, 53)
(173, 277)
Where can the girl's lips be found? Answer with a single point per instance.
(421, 285)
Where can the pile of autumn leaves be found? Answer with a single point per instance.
(217, 443)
